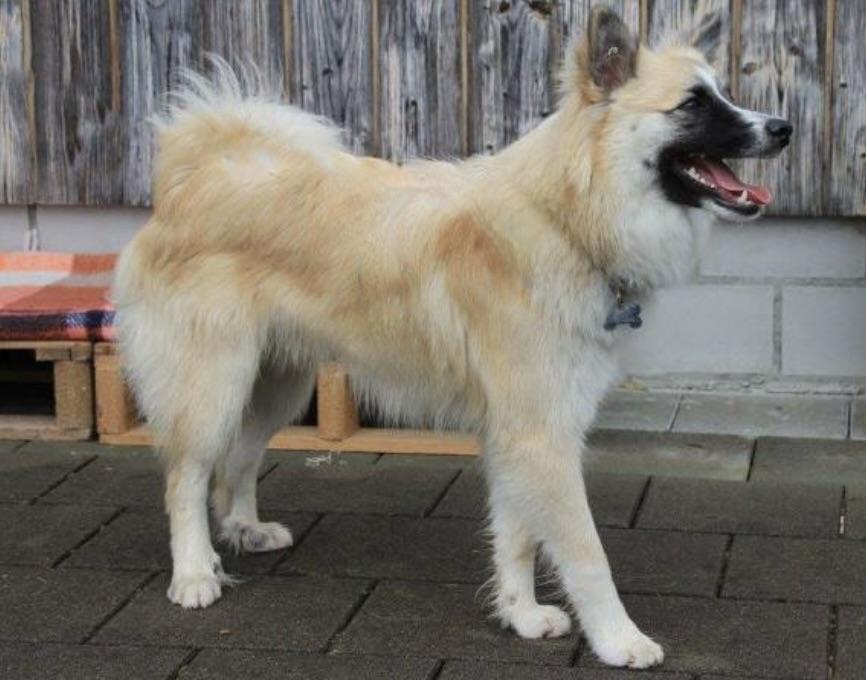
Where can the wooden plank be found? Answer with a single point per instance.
(365, 440)
(510, 55)
(158, 39)
(78, 126)
(781, 72)
(846, 194)
(16, 140)
(73, 394)
(337, 412)
(51, 350)
(419, 75)
(115, 408)
(684, 21)
(39, 427)
(331, 65)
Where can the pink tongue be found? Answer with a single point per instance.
(723, 177)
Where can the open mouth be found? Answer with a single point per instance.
(710, 177)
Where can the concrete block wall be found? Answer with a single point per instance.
(779, 305)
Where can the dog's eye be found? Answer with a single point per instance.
(691, 104)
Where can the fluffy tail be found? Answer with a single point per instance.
(231, 107)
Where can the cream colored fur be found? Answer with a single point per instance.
(472, 294)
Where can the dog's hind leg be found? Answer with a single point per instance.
(199, 429)
(279, 397)
(514, 551)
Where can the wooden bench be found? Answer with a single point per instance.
(71, 380)
(337, 427)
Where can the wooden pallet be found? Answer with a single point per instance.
(337, 430)
(72, 384)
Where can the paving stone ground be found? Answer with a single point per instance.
(745, 558)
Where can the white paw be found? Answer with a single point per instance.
(258, 537)
(630, 648)
(538, 621)
(195, 592)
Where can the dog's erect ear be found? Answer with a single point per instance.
(611, 50)
(705, 34)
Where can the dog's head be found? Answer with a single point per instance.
(668, 126)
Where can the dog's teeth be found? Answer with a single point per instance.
(743, 197)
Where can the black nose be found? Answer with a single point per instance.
(779, 129)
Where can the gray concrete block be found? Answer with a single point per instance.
(664, 562)
(764, 508)
(298, 614)
(858, 419)
(797, 569)
(478, 670)
(139, 539)
(440, 620)
(59, 605)
(810, 461)
(369, 488)
(823, 330)
(764, 415)
(786, 248)
(669, 454)
(765, 639)
(613, 498)
(850, 650)
(703, 329)
(26, 473)
(220, 664)
(28, 661)
(88, 229)
(13, 227)
(368, 546)
(627, 410)
(41, 535)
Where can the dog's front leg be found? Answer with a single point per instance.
(541, 482)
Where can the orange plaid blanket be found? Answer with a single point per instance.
(55, 296)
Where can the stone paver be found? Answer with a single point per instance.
(366, 488)
(28, 661)
(766, 639)
(474, 670)
(797, 569)
(670, 455)
(765, 508)
(119, 476)
(440, 620)
(850, 650)
(376, 588)
(299, 614)
(217, 664)
(59, 605)
(664, 562)
(629, 410)
(759, 415)
(394, 547)
(858, 419)
(24, 475)
(855, 512)
(613, 498)
(42, 534)
(139, 539)
(810, 461)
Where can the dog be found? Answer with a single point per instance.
(471, 294)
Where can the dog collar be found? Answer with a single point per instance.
(623, 313)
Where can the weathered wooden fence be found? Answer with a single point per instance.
(79, 79)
